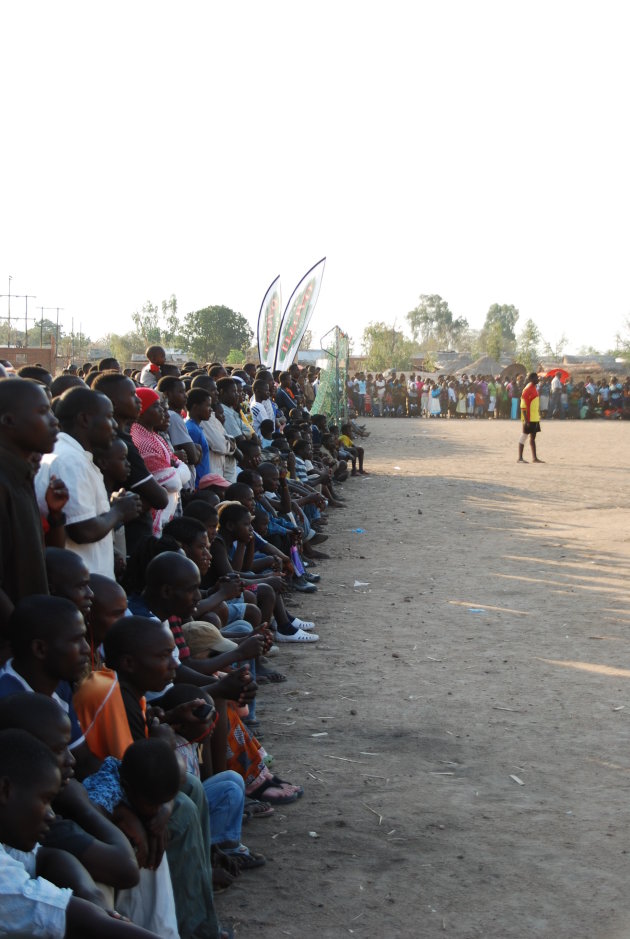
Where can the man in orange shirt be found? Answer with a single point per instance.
(530, 416)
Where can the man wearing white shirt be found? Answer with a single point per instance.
(556, 397)
(87, 423)
(260, 405)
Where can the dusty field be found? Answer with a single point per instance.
(490, 646)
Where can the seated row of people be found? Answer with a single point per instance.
(137, 651)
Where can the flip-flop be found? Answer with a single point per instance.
(269, 676)
(284, 782)
(274, 800)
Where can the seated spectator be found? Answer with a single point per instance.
(50, 652)
(225, 789)
(198, 407)
(262, 408)
(145, 782)
(30, 780)
(161, 462)
(122, 393)
(265, 433)
(174, 392)
(345, 439)
(78, 827)
(152, 371)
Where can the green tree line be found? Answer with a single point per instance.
(434, 327)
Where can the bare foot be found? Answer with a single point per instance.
(521, 460)
(235, 686)
(537, 461)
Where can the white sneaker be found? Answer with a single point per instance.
(299, 636)
(306, 625)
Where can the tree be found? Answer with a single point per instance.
(42, 332)
(497, 335)
(556, 351)
(235, 357)
(585, 351)
(123, 347)
(528, 345)
(211, 333)
(156, 326)
(434, 323)
(505, 315)
(491, 340)
(387, 347)
(622, 340)
(307, 340)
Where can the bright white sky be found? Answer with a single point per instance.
(479, 150)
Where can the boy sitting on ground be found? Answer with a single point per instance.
(345, 440)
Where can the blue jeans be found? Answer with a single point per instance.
(236, 610)
(225, 793)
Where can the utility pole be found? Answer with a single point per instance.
(57, 335)
(8, 317)
(43, 309)
(26, 297)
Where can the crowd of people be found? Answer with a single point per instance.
(155, 529)
(485, 396)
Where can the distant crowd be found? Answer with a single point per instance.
(485, 396)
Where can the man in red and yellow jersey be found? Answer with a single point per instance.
(530, 416)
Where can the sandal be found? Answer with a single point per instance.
(254, 808)
(283, 782)
(269, 676)
(286, 799)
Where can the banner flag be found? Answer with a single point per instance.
(297, 315)
(269, 320)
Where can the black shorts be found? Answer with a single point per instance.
(531, 428)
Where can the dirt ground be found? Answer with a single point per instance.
(461, 728)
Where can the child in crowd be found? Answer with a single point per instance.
(265, 433)
(30, 904)
(358, 453)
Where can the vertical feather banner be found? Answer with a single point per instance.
(297, 315)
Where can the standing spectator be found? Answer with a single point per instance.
(27, 426)
(87, 423)
(555, 407)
